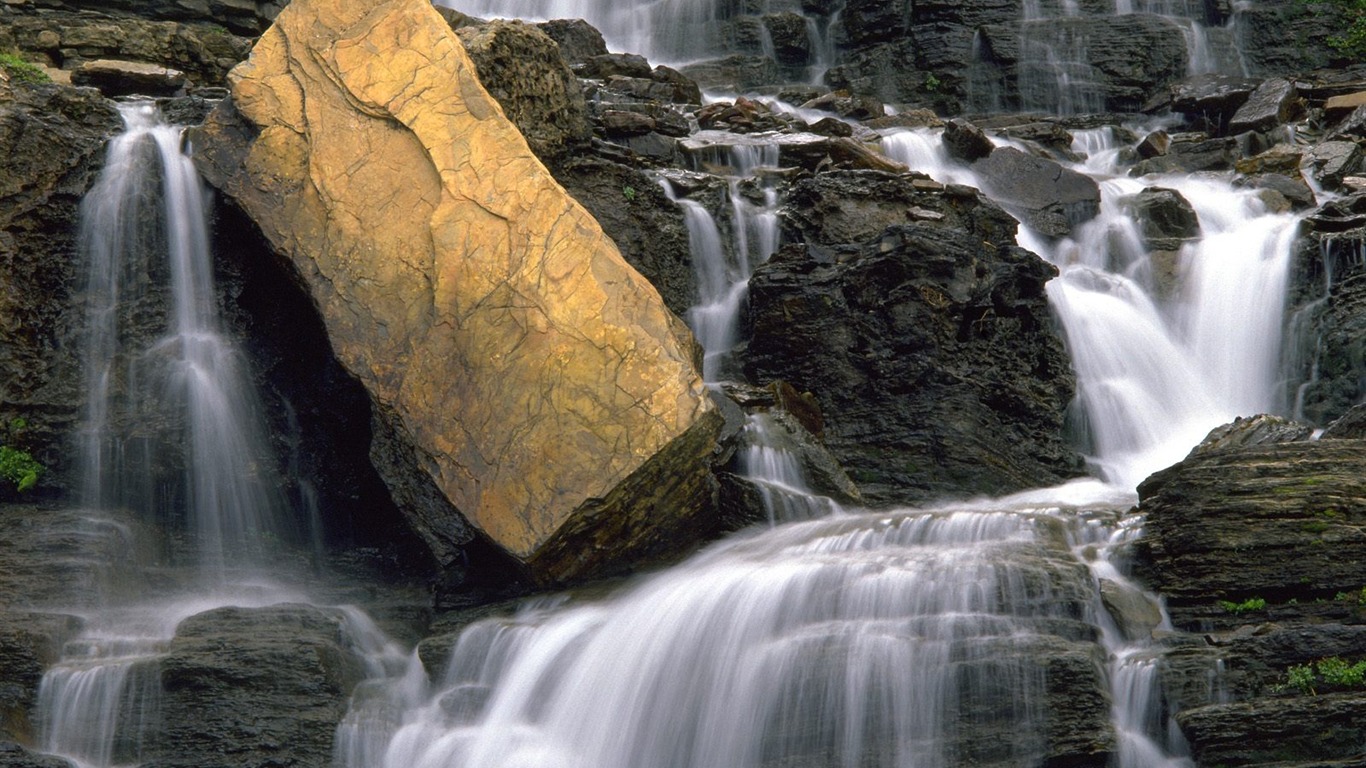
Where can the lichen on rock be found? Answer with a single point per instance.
(528, 370)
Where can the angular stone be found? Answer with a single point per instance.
(1213, 97)
(1166, 219)
(1047, 197)
(522, 68)
(126, 78)
(522, 373)
(1154, 144)
(255, 686)
(1350, 426)
(1282, 158)
(1262, 429)
(1275, 102)
(1273, 520)
(579, 41)
(1319, 731)
(1331, 161)
(917, 337)
(965, 141)
(1338, 107)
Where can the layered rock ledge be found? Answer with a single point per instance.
(524, 377)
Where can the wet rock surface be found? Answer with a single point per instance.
(888, 322)
(53, 138)
(251, 687)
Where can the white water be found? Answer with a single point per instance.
(181, 398)
(664, 31)
(868, 638)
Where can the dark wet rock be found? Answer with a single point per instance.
(1262, 429)
(1351, 127)
(1191, 153)
(832, 127)
(683, 89)
(1292, 187)
(1268, 731)
(53, 140)
(579, 41)
(1327, 307)
(647, 227)
(806, 150)
(30, 642)
(252, 687)
(1331, 161)
(1283, 159)
(1166, 219)
(1350, 426)
(1277, 38)
(605, 65)
(737, 72)
(243, 17)
(965, 141)
(1154, 144)
(896, 320)
(15, 756)
(1045, 196)
(203, 51)
(1274, 103)
(522, 68)
(1212, 98)
(126, 78)
(1131, 57)
(791, 43)
(1277, 521)
(845, 105)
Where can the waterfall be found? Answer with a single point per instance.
(173, 433)
(167, 391)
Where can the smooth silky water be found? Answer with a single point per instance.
(865, 638)
(856, 638)
(173, 437)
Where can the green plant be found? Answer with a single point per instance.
(628, 192)
(18, 466)
(21, 69)
(1331, 672)
(1349, 16)
(932, 83)
(1248, 605)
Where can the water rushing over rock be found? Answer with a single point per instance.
(172, 421)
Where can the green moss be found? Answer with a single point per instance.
(1246, 606)
(22, 70)
(18, 467)
(1315, 526)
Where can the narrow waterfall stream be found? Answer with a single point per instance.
(172, 423)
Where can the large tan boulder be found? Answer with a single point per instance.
(529, 377)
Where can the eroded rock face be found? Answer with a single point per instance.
(52, 138)
(923, 332)
(522, 373)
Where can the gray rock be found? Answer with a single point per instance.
(1317, 730)
(915, 335)
(1350, 426)
(1262, 429)
(965, 141)
(522, 68)
(1154, 144)
(1214, 98)
(737, 72)
(14, 756)
(1330, 161)
(251, 687)
(126, 78)
(1047, 197)
(579, 41)
(1293, 188)
(1274, 103)
(1277, 520)
(1166, 219)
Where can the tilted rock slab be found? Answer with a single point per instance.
(513, 357)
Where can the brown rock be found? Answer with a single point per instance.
(524, 373)
(1338, 107)
(123, 78)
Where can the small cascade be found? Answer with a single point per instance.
(173, 434)
(678, 31)
(874, 639)
(1059, 70)
(167, 391)
(777, 474)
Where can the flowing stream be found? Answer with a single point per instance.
(911, 638)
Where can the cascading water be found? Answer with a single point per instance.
(172, 392)
(163, 391)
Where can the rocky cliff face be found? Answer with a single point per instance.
(923, 332)
(53, 139)
(522, 373)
